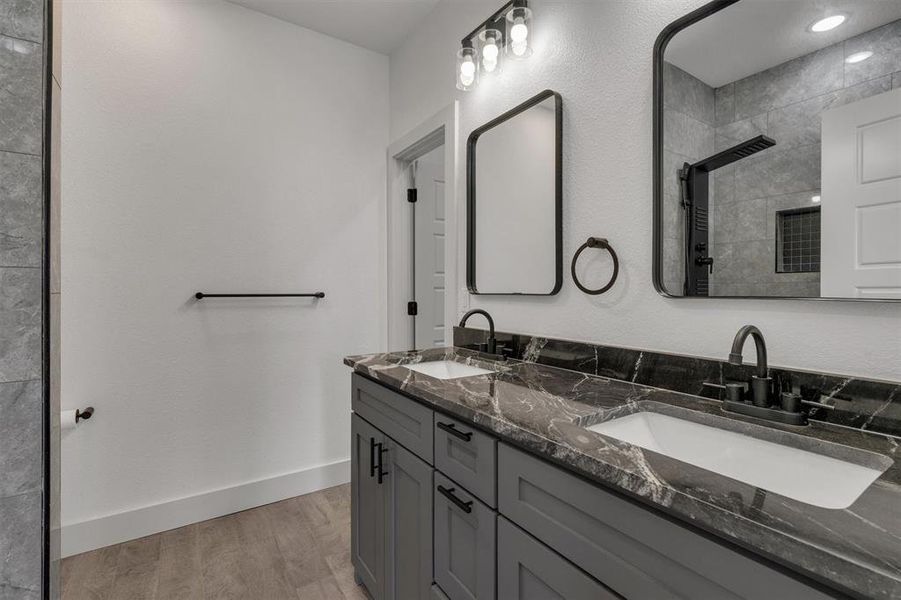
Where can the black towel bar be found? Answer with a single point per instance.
(202, 295)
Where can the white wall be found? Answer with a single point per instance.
(208, 147)
(598, 55)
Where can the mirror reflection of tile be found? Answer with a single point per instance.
(785, 103)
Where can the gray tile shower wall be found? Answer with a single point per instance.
(22, 407)
(858, 403)
(784, 102)
(688, 136)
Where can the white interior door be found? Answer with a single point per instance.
(861, 199)
(429, 239)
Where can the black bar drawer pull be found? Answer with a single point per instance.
(449, 494)
(451, 429)
(381, 473)
(372, 445)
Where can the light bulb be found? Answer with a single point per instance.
(519, 32)
(519, 48)
(467, 71)
(489, 57)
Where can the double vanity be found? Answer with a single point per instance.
(484, 479)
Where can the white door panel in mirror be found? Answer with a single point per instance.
(793, 149)
(514, 192)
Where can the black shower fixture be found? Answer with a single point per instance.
(696, 202)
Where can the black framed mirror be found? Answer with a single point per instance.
(777, 151)
(514, 199)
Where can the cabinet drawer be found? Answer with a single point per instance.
(631, 549)
(465, 543)
(407, 422)
(529, 570)
(467, 456)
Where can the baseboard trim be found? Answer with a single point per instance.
(129, 525)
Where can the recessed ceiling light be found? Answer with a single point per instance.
(828, 23)
(815, 199)
(858, 57)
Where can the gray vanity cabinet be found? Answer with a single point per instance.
(465, 550)
(424, 534)
(529, 570)
(408, 495)
(368, 508)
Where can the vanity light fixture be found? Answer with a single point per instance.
(828, 23)
(519, 30)
(490, 41)
(859, 57)
(505, 34)
(467, 67)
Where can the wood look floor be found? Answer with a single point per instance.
(294, 549)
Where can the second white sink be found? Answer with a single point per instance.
(447, 369)
(799, 474)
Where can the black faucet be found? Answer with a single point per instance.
(761, 404)
(492, 341)
(760, 383)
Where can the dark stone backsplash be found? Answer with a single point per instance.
(859, 403)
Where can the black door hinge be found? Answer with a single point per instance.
(411, 195)
(412, 308)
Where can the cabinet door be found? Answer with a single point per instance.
(464, 543)
(408, 496)
(368, 509)
(529, 570)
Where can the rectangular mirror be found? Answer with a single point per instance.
(778, 151)
(514, 201)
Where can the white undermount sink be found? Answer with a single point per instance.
(799, 474)
(447, 369)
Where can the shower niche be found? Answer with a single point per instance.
(778, 152)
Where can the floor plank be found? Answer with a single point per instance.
(296, 549)
(137, 569)
(179, 565)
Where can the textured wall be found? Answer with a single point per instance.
(210, 147)
(598, 55)
(21, 290)
(785, 103)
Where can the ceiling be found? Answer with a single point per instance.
(379, 25)
(754, 35)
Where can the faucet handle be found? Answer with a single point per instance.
(734, 390)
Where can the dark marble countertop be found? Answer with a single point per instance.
(544, 409)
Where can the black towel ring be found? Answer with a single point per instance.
(594, 242)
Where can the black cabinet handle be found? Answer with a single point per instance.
(372, 457)
(449, 494)
(451, 429)
(381, 473)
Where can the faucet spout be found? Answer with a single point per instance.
(492, 341)
(735, 356)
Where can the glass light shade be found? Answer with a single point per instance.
(467, 69)
(519, 32)
(490, 41)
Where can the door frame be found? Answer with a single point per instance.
(395, 240)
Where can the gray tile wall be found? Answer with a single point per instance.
(785, 103)
(21, 298)
(55, 210)
(688, 136)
